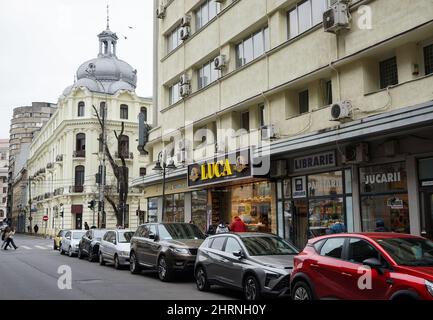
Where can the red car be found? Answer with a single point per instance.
(364, 266)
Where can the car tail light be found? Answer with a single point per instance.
(429, 286)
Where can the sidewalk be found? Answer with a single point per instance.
(39, 235)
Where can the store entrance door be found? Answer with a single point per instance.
(427, 213)
(78, 221)
(300, 223)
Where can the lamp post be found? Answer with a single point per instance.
(161, 166)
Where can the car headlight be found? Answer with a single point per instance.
(180, 250)
(429, 286)
(124, 253)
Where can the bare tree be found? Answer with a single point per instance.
(120, 172)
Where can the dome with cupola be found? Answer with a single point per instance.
(106, 73)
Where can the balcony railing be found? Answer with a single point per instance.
(50, 165)
(59, 158)
(76, 189)
(48, 195)
(58, 191)
(129, 155)
(79, 154)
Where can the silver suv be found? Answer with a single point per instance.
(257, 263)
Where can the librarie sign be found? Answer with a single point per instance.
(315, 161)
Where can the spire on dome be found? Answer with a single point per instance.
(107, 40)
(108, 16)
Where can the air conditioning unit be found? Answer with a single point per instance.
(220, 62)
(278, 168)
(184, 79)
(185, 90)
(341, 111)
(269, 132)
(184, 33)
(160, 12)
(186, 20)
(356, 153)
(181, 156)
(336, 17)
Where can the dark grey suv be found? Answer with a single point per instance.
(166, 247)
(257, 263)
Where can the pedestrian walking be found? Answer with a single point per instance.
(86, 226)
(36, 228)
(5, 235)
(222, 228)
(10, 239)
(238, 225)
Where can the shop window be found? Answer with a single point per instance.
(152, 210)
(428, 59)
(199, 209)
(174, 208)
(384, 198)
(388, 72)
(303, 102)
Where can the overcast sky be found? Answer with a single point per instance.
(43, 42)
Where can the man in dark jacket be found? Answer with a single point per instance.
(380, 226)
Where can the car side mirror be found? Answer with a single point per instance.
(68, 237)
(153, 237)
(374, 263)
(113, 241)
(240, 254)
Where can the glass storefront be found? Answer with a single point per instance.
(253, 203)
(314, 203)
(199, 209)
(384, 198)
(152, 210)
(174, 208)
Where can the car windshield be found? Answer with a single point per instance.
(98, 234)
(62, 233)
(78, 235)
(268, 246)
(409, 251)
(125, 236)
(179, 231)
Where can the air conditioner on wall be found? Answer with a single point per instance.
(337, 17)
(160, 12)
(184, 79)
(341, 111)
(181, 156)
(269, 132)
(186, 20)
(220, 62)
(185, 90)
(184, 33)
(356, 153)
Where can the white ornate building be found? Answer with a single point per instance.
(65, 156)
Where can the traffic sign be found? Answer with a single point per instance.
(45, 218)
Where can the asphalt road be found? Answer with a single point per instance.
(31, 272)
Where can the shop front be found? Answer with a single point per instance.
(425, 175)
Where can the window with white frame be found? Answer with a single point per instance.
(174, 95)
(428, 59)
(174, 39)
(252, 47)
(207, 74)
(305, 15)
(206, 12)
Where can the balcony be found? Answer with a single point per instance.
(58, 191)
(76, 189)
(59, 158)
(50, 165)
(48, 195)
(79, 154)
(127, 156)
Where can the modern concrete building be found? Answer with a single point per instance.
(26, 121)
(66, 156)
(342, 107)
(4, 164)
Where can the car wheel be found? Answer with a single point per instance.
(301, 291)
(91, 257)
(252, 290)
(80, 254)
(201, 279)
(55, 246)
(164, 272)
(116, 262)
(133, 264)
(101, 259)
(70, 251)
(61, 251)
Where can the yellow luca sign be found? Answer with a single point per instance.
(216, 170)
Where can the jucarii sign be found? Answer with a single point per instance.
(315, 161)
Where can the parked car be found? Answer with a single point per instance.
(89, 244)
(259, 264)
(115, 247)
(167, 247)
(3, 226)
(393, 266)
(70, 242)
(58, 239)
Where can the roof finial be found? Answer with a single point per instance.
(108, 16)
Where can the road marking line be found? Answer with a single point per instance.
(41, 247)
(25, 247)
(49, 246)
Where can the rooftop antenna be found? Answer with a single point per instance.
(108, 16)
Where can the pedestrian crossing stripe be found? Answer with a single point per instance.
(41, 247)
(25, 247)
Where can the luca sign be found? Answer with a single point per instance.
(315, 161)
(228, 167)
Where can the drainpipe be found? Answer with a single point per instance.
(155, 65)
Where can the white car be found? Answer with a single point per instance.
(115, 247)
(70, 242)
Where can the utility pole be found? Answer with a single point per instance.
(30, 203)
(102, 181)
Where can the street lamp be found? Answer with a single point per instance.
(162, 167)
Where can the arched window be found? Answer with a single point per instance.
(80, 145)
(124, 111)
(81, 109)
(123, 146)
(79, 178)
(143, 110)
(102, 110)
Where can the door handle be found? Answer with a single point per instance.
(346, 274)
(313, 265)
